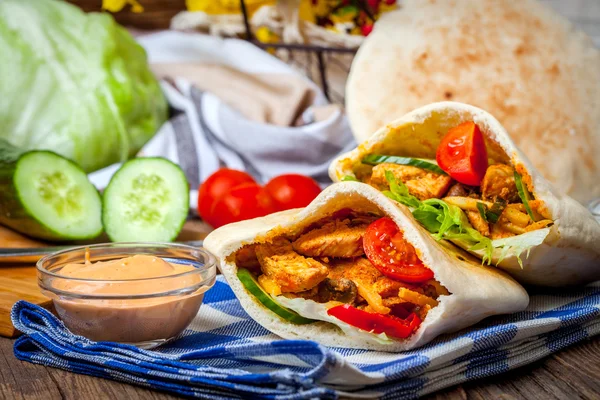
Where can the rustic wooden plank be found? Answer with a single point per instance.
(17, 283)
(568, 374)
(22, 380)
(76, 387)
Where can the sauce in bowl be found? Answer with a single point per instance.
(136, 298)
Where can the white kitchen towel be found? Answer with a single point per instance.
(206, 133)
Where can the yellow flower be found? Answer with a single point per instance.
(220, 7)
(117, 5)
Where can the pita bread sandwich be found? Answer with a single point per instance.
(464, 180)
(519, 60)
(353, 269)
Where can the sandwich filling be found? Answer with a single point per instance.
(353, 269)
(463, 195)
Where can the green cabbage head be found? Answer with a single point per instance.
(74, 83)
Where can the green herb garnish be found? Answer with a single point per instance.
(524, 194)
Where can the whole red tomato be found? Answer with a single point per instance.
(292, 191)
(245, 201)
(217, 185)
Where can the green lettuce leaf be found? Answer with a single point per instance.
(443, 220)
(399, 192)
(446, 221)
(74, 83)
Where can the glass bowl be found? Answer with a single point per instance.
(145, 312)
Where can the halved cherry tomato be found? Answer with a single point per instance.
(292, 191)
(387, 250)
(376, 323)
(462, 154)
(245, 201)
(219, 183)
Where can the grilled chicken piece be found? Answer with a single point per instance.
(291, 271)
(246, 258)
(387, 287)
(499, 182)
(478, 222)
(334, 239)
(422, 183)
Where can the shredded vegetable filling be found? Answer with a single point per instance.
(326, 263)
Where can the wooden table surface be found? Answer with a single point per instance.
(573, 373)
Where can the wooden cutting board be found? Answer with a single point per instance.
(19, 282)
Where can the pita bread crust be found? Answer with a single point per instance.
(570, 254)
(519, 60)
(476, 291)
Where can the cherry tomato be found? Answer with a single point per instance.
(387, 250)
(292, 191)
(376, 323)
(245, 201)
(462, 154)
(216, 186)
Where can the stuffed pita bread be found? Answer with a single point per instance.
(511, 217)
(305, 274)
(519, 60)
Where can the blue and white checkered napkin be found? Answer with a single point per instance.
(225, 354)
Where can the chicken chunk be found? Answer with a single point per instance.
(422, 183)
(357, 270)
(478, 222)
(288, 269)
(246, 258)
(499, 182)
(334, 239)
(387, 287)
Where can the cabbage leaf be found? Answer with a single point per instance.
(74, 83)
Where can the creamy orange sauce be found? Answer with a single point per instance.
(137, 268)
(123, 319)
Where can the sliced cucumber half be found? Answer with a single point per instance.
(146, 200)
(57, 196)
(375, 159)
(266, 300)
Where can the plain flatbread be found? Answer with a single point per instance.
(517, 59)
(570, 253)
(476, 291)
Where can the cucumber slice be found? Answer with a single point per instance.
(266, 300)
(46, 196)
(374, 159)
(146, 200)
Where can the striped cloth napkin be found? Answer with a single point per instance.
(225, 354)
(236, 106)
